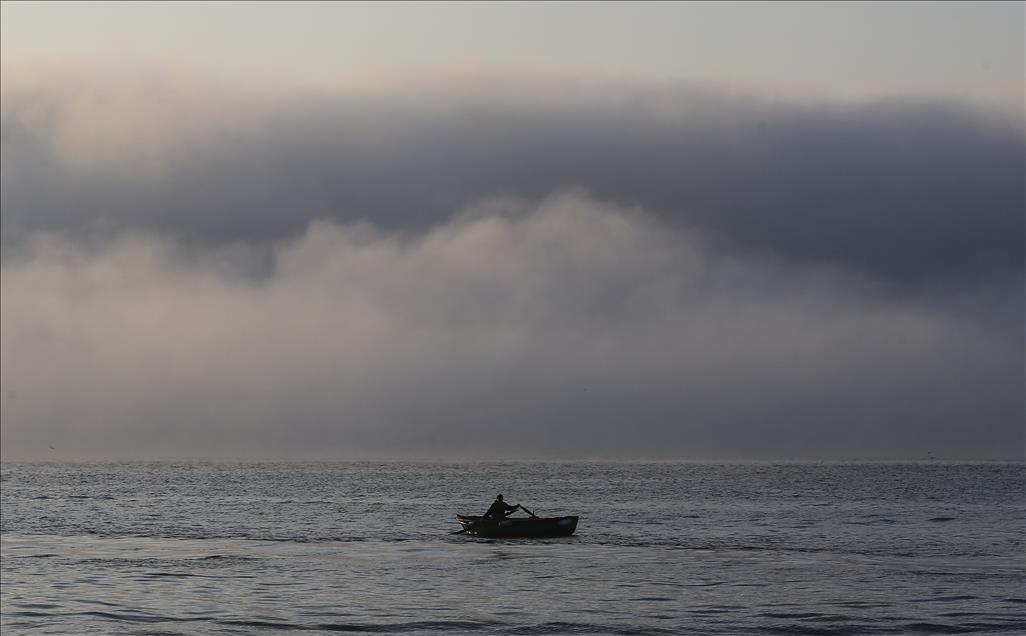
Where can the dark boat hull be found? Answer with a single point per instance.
(530, 527)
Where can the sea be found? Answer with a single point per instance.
(265, 548)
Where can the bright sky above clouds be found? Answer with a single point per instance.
(971, 50)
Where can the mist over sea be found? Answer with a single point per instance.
(696, 548)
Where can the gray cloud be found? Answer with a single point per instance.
(576, 328)
(906, 191)
(190, 269)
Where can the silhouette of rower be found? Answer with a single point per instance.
(499, 509)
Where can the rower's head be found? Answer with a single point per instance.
(498, 497)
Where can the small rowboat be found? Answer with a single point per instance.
(534, 527)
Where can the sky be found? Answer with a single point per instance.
(512, 230)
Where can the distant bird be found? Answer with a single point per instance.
(52, 448)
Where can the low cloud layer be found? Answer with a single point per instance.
(513, 268)
(910, 191)
(575, 328)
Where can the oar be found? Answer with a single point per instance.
(470, 526)
(528, 511)
(474, 524)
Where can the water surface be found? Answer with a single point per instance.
(698, 548)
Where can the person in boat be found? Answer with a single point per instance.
(499, 509)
